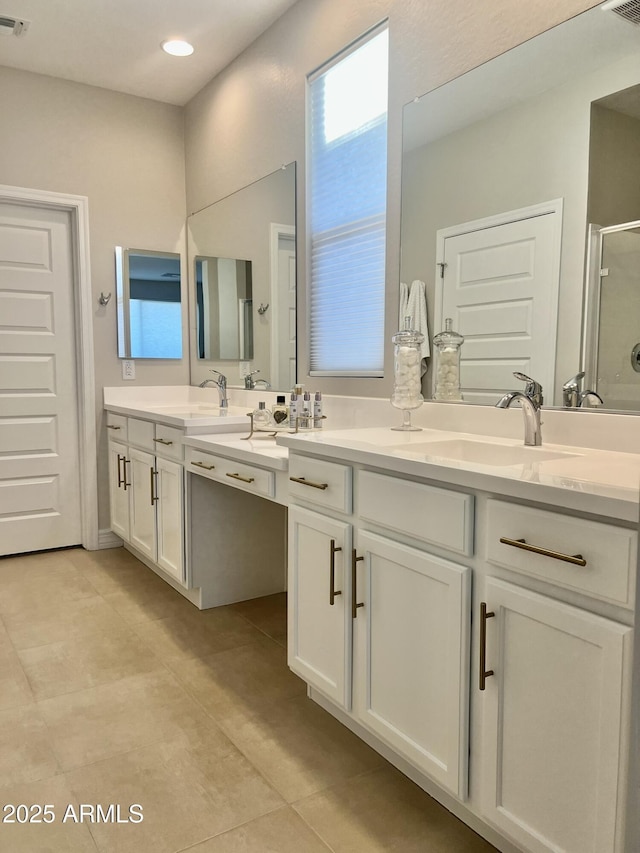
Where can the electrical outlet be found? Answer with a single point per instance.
(128, 368)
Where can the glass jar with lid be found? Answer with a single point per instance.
(447, 346)
(407, 360)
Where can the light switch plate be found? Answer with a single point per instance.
(128, 368)
(245, 367)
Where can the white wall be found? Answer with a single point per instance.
(126, 154)
(250, 118)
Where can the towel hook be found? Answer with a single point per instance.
(104, 299)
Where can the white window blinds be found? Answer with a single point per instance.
(347, 211)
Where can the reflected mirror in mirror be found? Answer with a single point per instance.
(506, 172)
(224, 315)
(149, 304)
(255, 328)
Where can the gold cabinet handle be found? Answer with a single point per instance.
(162, 441)
(332, 573)
(313, 485)
(574, 559)
(113, 426)
(154, 496)
(484, 672)
(202, 465)
(242, 479)
(354, 595)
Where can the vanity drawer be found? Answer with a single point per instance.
(608, 551)
(323, 483)
(117, 426)
(141, 433)
(250, 478)
(168, 441)
(438, 516)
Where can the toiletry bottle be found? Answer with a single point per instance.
(262, 418)
(306, 417)
(280, 411)
(293, 410)
(317, 411)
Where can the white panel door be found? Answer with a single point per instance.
(412, 638)
(170, 517)
(39, 452)
(142, 504)
(319, 642)
(552, 722)
(500, 287)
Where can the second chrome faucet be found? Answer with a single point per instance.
(531, 402)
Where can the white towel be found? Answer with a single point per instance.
(413, 303)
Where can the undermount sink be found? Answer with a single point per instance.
(483, 452)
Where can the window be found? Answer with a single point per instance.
(347, 210)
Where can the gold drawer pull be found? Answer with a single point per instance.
(113, 426)
(243, 479)
(202, 465)
(484, 672)
(332, 573)
(162, 441)
(574, 559)
(313, 485)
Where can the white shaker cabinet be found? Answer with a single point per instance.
(412, 666)
(147, 495)
(319, 644)
(381, 628)
(119, 483)
(552, 728)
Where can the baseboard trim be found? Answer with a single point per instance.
(108, 539)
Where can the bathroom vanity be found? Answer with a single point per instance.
(464, 603)
(466, 606)
(177, 465)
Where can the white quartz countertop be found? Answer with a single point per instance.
(190, 416)
(258, 450)
(577, 478)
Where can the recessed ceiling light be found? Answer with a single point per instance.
(177, 47)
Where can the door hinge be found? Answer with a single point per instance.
(442, 265)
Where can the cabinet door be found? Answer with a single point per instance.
(551, 722)
(142, 532)
(119, 491)
(319, 645)
(412, 669)
(170, 518)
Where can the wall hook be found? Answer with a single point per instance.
(104, 300)
(263, 308)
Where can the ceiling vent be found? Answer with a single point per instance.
(627, 9)
(13, 26)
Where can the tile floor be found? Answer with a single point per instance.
(115, 690)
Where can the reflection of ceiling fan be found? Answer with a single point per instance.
(627, 9)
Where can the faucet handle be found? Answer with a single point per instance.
(533, 389)
(573, 384)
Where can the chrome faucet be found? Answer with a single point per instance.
(221, 385)
(573, 397)
(249, 382)
(531, 402)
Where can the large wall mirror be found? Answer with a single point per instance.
(521, 212)
(242, 258)
(149, 303)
